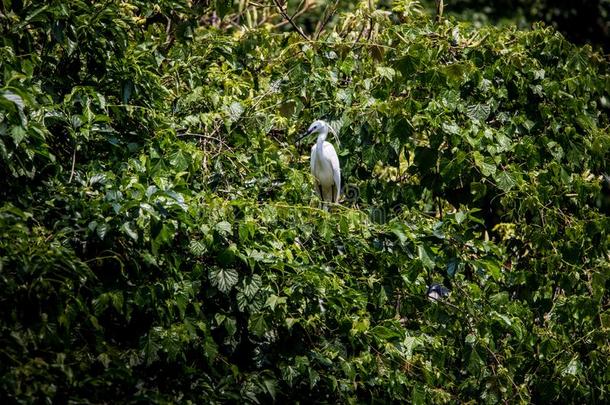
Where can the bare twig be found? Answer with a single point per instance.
(99, 11)
(369, 33)
(359, 36)
(200, 136)
(301, 9)
(440, 5)
(290, 20)
(169, 25)
(169, 38)
(370, 29)
(322, 24)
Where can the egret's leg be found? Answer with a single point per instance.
(332, 190)
(324, 197)
(320, 191)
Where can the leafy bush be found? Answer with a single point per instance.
(166, 246)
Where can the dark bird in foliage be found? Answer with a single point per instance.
(437, 291)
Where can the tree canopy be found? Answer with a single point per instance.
(160, 240)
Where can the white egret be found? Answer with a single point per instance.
(325, 163)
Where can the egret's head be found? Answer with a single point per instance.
(318, 126)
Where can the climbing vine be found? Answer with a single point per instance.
(160, 240)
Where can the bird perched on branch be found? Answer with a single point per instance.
(437, 291)
(325, 163)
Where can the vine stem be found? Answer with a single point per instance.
(440, 5)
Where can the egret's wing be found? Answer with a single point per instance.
(312, 159)
(331, 155)
(312, 165)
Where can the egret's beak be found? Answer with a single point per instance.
(304, 135)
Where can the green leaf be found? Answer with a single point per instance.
(486, 166)
(210, 349)
(383, 333)
(504, 181)
(161, 234)
(18, 133)
(573, 368)
(181, 300)
(179, 161)
(360, 325)
(314, 377)
(456, 72)
(258, 325)
(475, 362)
(410, 343)
(223, 7)
(224, 279)
(418, 396)
(197, 248)
(504, 319)
(235, 111)
(227, 256)
(271, 387)
(252, 286)
(128, 88)
(452, 266)
(13, 98)
(224, 228)
(127, 229)
(386, 72)
(274, 300)
(117, 301)
(460, 216)
(398, 231)
(102, 229)
(478, 112)
(425, 257)
(246, 230)
(499, 299)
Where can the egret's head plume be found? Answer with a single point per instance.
(335, 135)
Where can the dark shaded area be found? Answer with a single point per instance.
(582, 22)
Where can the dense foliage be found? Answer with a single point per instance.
(160, 239)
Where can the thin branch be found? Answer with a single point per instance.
(169, 38)
(290, 20)
(296, 14)
(358, 37)
(200, 136)
(440, 5)
(99, 11)
(370, 33)
(326, 20)
(299, 6)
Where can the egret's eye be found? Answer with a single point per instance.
(315, 126)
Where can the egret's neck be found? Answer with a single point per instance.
(320, 146)
(322, 137)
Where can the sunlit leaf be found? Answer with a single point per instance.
(224, 279)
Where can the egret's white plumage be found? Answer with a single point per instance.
(325, 164)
